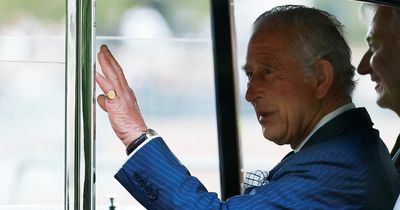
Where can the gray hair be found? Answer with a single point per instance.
(395, 23)
(368, 11)
(315, 34)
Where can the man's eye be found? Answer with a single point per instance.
(266, 71)
(249, 74)
(373, 47)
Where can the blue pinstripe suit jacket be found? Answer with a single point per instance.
(344, 165)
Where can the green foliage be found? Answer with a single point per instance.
(109, 13)
(347, 12)
(45, 10)
(186, 15)
(181, 15)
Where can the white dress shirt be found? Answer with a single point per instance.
(324, 120)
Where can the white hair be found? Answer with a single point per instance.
(368, 11)
(315, 34)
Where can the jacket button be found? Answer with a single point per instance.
(136, 176)
(142, 183)
(147, 189)
(153, 194)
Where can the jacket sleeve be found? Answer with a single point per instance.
(156, 178)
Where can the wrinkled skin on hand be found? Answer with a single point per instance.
(123, 111)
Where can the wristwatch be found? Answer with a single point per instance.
(148, 133)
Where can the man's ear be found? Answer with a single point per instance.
(323, 77)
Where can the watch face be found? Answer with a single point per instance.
(150, 132)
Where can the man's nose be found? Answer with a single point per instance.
(253, 89)
(364, 67)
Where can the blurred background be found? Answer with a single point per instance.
(165, 49)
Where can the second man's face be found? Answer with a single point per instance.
(283, 100)
(382, 60)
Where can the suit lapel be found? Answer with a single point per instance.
(279, 165)
(396, 147)
(395, 154)
(338, 125)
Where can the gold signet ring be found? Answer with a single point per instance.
(111, 94)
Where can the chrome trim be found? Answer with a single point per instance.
(80, 108)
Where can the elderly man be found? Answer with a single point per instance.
(300, 84)
(382, 62)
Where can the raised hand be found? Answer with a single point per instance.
(119, 100)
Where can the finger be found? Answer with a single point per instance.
(101, 100)
(133, 95)
(114, 63)
(108, 70)
(103, 82)
(105, 86)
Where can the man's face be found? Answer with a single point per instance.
(283, 101)
(382, 59)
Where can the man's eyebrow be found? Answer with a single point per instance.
(369, 39)
(245, 68)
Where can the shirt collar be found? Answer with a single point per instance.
(324, 120)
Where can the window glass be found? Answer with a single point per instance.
(32, 103)
(165, 50)
(259, 153)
